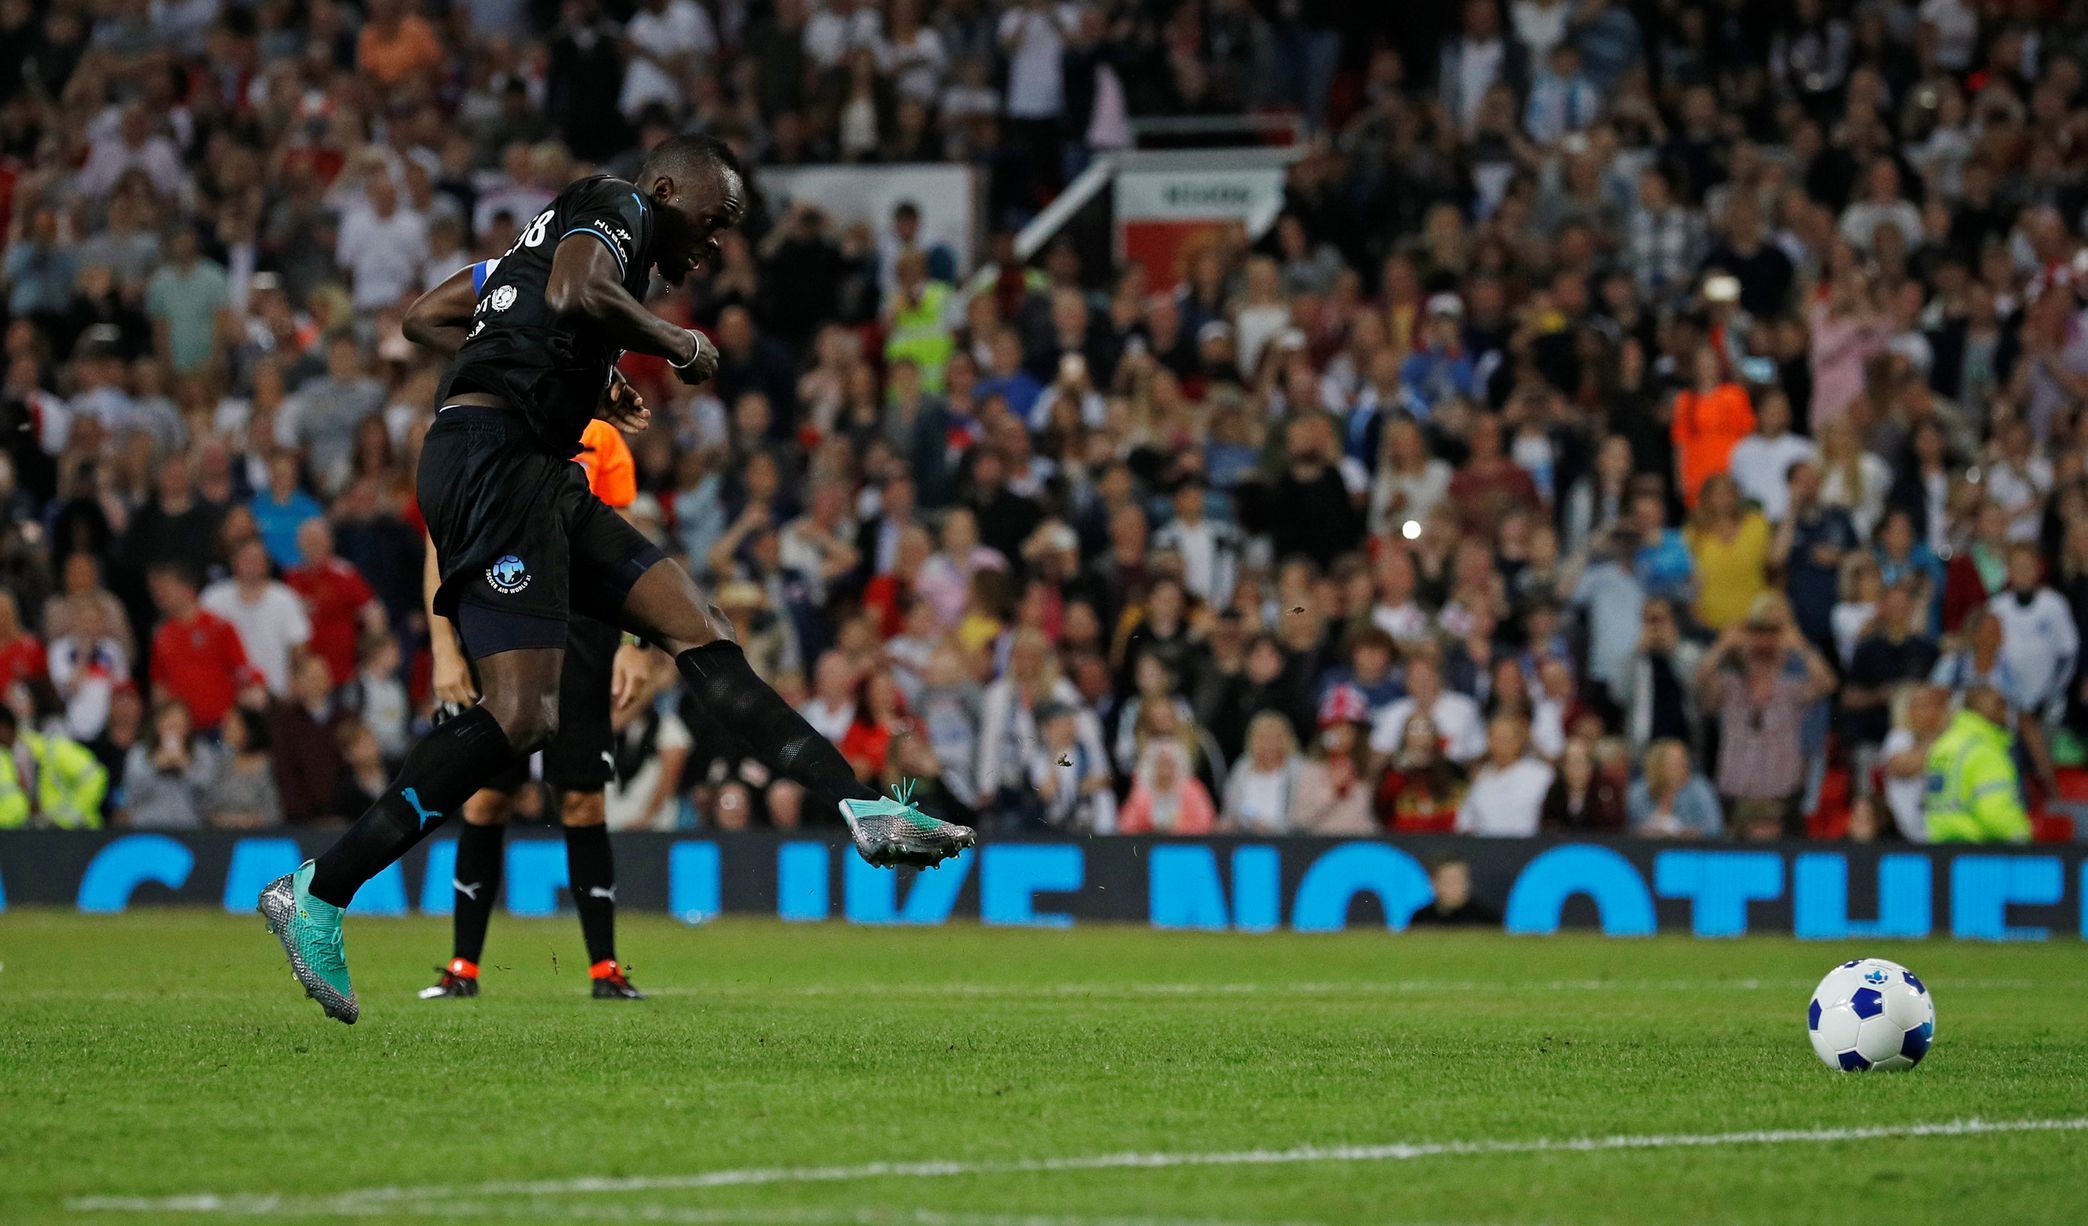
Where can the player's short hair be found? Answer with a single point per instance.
(687, 154)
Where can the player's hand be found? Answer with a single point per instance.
(630, 678)
(623, 406)
(452, 678)
(702, 364)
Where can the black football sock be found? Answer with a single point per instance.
(785, 743)
(440, 774)
(591, 874)
(480, 857)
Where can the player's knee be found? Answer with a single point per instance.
(667, 607)
(583, 809)
(704, 624)
(529, 721)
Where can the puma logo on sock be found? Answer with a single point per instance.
(428, 817)
(469, 891)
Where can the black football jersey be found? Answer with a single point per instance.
(552, 370)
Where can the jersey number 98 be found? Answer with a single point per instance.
(534, 235)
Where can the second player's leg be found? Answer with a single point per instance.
(475, 884)
(591, 874)
(580, 764)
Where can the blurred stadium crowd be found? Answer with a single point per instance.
(1642, 417)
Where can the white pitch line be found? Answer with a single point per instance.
(681, 1216)
(363, 1201)
(684, 1216)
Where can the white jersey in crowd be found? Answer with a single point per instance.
(1210, 553)
(383, 254)
(1904, 795)
(270, 626)
(2039, 642)
(625, 801)
(1036, 41)
(1761, 465)
(1505, 803)
(682, 28)
(1458, 721)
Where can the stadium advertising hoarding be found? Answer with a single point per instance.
(1167, 214)
(1625, 888)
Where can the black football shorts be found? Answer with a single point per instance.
(522, 542)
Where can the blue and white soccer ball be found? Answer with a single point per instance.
(1871, 1014)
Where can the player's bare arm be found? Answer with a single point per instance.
(440, 318)
(587, 284)
(452, 673)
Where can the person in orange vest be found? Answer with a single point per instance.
(1711, 416)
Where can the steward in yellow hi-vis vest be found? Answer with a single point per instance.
(919, 328)
(48, 780)
(1974, 795)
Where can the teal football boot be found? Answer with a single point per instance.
(310, 930)
(890, 832)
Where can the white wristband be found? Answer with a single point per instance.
(695, 350)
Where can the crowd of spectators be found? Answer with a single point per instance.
(1643, 417)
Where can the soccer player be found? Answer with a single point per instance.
(598, 675)
(523, 544)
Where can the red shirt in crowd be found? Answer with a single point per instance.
(199, 660)
(334, 594)
(1419, 802)
(1483, 494)
(21, 660)
(885, 597)
(866, 746)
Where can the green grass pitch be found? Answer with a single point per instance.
(1362, 1077)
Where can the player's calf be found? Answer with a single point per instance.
(889, 831)
(591, 873)
(475, 880)
(439, 774)
(665, 607)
